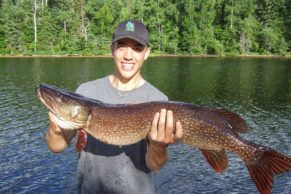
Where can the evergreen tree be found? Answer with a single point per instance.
(185, 26)
(236, 26)
(198, 35)
(162, 24)
(271, 17)
(287, 24)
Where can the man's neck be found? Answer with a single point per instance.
(126, 85)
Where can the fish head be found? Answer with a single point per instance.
(71, 110)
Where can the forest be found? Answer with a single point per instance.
(176, 27)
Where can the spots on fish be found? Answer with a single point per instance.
(119, 131)
(205, 128)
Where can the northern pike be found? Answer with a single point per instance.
(213, 131)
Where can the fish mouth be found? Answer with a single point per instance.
(47, 99)
(60, 103)
(49, 96)
(50, 99)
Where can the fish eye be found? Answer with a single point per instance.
(59, 100)
(75, 111)
(64, 99)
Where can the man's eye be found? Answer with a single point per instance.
(139, 48)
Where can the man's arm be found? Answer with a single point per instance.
(162, 133)
(57, 139)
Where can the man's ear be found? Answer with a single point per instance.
(147, 54)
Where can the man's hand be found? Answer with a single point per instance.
(53, 124)
(163, 131)
(161, 134)
(56, 138)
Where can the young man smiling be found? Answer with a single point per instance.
(104, 168)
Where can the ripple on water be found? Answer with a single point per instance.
(26, 165)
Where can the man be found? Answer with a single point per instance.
(105, 168)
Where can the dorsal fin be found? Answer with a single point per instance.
(237, 123)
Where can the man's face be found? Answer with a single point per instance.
(129, 56)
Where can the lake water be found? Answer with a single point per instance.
(257, 89)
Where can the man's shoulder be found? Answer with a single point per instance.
(155, 93)
(94, 82)
(91, 86)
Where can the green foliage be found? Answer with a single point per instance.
(273, 29)
(220, 27)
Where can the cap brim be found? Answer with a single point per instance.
(144, 43)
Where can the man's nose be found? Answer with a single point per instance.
(128, 53)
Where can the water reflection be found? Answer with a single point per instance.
(257, 89)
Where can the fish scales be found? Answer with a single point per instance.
(213, 131)
(132, 123)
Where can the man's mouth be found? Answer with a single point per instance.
(127, 66)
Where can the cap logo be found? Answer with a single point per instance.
(129, 27)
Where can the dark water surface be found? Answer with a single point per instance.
(258, 89)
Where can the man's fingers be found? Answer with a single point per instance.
(51, 116)
(179, 131)
(164, 130)
(88, 122)
(154, 130)
(52, 119)
(161, 125)
(169, 127)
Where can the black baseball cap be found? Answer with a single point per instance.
(132, 29)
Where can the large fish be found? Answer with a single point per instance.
(213, 131)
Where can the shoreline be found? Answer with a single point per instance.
(152, 55)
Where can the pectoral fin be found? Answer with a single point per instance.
(81, 141)
(216, 158)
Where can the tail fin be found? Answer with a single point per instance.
(264, 170)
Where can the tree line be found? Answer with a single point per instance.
(219, 27)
